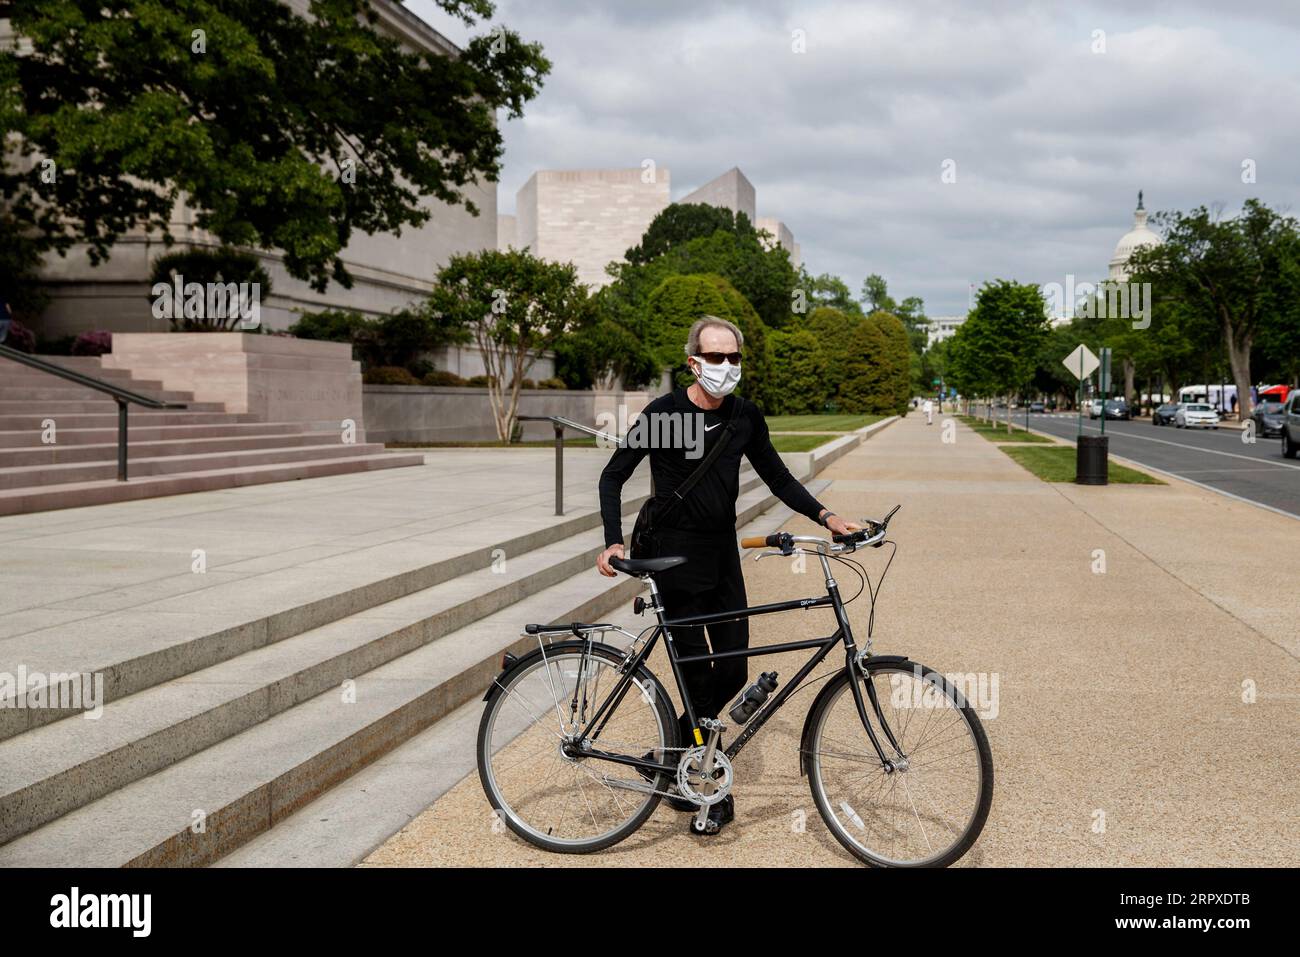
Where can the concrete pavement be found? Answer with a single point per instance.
(1141, 641)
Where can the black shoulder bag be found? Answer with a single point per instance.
(643, 532)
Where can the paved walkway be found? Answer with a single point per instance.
(1146, 715)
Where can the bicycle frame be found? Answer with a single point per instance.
(843, 633)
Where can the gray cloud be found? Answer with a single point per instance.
(845, 142)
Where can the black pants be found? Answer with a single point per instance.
(710, 581)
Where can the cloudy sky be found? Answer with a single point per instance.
(1054, 115)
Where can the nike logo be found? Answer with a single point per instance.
(708, 428)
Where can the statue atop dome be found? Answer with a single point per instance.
(1140, 235)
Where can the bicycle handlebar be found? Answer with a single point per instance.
(873, 535)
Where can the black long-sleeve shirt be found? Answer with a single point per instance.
(677, 449)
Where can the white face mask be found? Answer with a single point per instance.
(719, 380)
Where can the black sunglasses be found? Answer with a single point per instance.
(716, 358)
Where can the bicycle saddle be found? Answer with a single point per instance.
(646, 566)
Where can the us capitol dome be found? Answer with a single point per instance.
(1139, 236)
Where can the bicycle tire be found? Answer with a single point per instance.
(838, 686)
(667, 723)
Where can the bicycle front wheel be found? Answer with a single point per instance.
(539, 789)
(930, 808)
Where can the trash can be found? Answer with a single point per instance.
(1091, 460)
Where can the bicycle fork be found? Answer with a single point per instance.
(890, 765)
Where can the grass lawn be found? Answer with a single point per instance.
(998, 433)
(800, 443)
(1056, 464)
(818, 423)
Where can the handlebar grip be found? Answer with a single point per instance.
(758, 541)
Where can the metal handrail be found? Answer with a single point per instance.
(123, 397)
(560, 423)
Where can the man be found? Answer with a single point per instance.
(702, 527)
(928, 409)
(5, 317)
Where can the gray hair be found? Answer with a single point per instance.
(711, 322)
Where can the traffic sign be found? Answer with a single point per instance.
(1081, 362)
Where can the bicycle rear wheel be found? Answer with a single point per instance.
(573, 805)
(930, 810)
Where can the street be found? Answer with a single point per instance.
(1256, 471)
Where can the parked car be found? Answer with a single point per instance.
(1291, 426)
(1094, 409)
(1118, 409)
(1269, 416)
(1037, 407)
(1196, 415)
(1164, 414)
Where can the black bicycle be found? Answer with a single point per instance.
(579, 741)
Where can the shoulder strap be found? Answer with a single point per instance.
(719, 447)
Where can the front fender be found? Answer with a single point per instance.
(805, 739)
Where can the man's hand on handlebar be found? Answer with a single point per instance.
(602, 560)
(840, 526)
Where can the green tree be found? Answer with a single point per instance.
(995, 351)
(824, 290)
(1233, 269)
(896, 361)
(799, 371)
(761, 274)
(853, 354)
(515, 307)
(875, 294)
(679, 223)
(679, 301)
(603, 354)
(278, 130)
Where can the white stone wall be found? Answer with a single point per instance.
(732, 190)
(507, 232)
(781, 234)
(588, 217)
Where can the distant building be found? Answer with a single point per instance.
(1136, 238)
(731, 191)
(941, 328)
(589, 217)
(782, 236)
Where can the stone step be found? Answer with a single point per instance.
(349, 821)
(43, 476)
(203, 625)
(31, 438)
(255, 744)
(13, 422)
(242, 785)
(54, 769)
(77, 393)
(142, 449)
(104, 404)
(80, 494)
